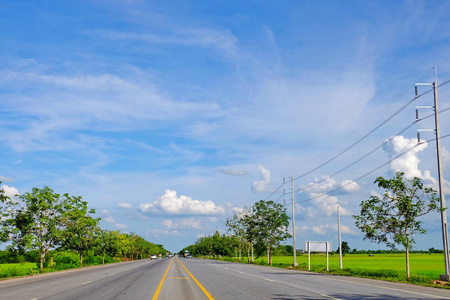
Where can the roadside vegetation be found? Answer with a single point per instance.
(391, 219)
(46, 231)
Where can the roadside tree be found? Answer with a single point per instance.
(393, 218)
(239, 226)
(268, 225)
(80, 227)
(38, 223)
(345, 248)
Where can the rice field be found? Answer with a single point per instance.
(421, 265)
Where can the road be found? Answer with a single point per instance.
(204, 279)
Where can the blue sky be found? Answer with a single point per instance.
(169, 116)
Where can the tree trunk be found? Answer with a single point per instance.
(408, 275)
(103, 258)
(41, 262)
(81, 259)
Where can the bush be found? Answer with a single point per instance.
(64, 260)
(92, 260)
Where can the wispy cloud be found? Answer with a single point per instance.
(232, 171)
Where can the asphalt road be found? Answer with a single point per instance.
(204, 279)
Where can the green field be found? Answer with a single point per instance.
(21, 269)
(424, 267)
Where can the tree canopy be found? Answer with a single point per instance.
(393, 218)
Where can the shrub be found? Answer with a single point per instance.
(65, 260)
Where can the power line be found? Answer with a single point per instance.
(369, 133)
(372, 151)
(379, 112)
(370, 172)
(364, 137)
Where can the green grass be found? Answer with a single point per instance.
(424, 267)
(20, 269)
(420, 264)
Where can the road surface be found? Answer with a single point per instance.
(180, 278)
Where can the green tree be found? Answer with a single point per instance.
(80, 227)
(345, 248)
(5, 214)
(393, 219)
(268, 224)
(239, 226)
(38, 223)
(106, 243)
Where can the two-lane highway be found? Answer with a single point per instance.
(175, 278)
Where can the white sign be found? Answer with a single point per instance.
(318, 246)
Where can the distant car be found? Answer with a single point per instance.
(189, 256)
(153, 256)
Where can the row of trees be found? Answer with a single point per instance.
(263, 229)
(390, 218)
(43, 220)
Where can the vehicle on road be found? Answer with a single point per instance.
(153, 256)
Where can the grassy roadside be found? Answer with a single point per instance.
(17, 270)
(425, 268)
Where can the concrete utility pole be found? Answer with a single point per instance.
(339, 234)
(446, 276)
(293, 221)
(251, 213)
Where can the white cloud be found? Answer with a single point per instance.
(5, 179)
(191, 223)
(168, 224)
(264, 184)
(409, 162)
(161, 233)
(327, 229)
(350, 186)
(124, 205)
(326, 204)
(200, 37)
(232, 171)
(345, 230)
(10, 191)
(322, 203)
(321, 186)
(170, 203)
(110, 220)
(321, 229)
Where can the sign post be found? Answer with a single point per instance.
(317, 247)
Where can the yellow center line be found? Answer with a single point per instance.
(208, 295)
(158, 289)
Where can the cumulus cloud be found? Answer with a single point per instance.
(232, 171)
(349, 186)
(262, 185)
(322, 203)
(10, 191)
(170, 203)
(409, 162)
(124, 205)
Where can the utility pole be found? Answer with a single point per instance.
(251, 213)
(293, 221)
(446, 276)
(339, 234)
